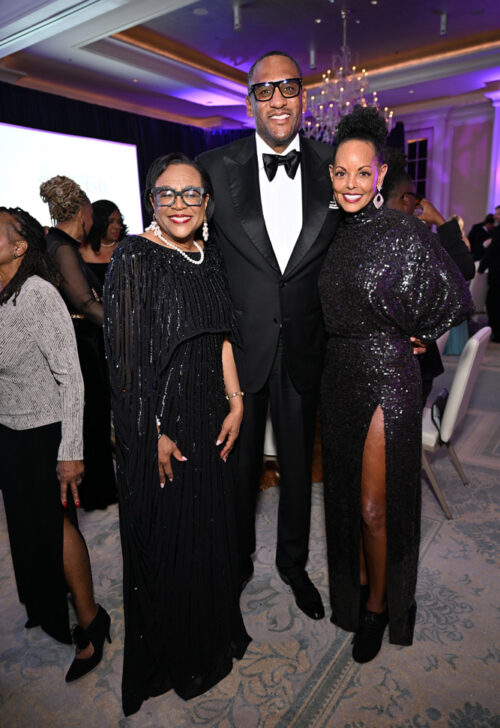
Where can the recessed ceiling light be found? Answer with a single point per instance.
(317, 20)
(411, 91)
(373, 2)
(200, 11)
(135, 80)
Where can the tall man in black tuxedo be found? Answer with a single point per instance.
(273, 225)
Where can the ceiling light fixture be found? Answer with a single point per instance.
(237, 16)
(342, 87)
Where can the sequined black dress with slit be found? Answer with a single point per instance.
(165, 323)
(384, 279)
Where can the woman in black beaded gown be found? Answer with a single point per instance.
(177, 410)
(71, 211)
(384, 280)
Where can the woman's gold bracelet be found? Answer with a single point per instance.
(235, 394)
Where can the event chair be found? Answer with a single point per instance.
(441, 342)
(478, 290)
(454, 411)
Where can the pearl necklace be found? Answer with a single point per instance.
(155, 229)
(108, 245)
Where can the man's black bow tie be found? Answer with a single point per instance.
(291, 162)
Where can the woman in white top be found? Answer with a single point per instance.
(41, 413)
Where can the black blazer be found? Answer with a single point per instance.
(477, 236)
(267, 302)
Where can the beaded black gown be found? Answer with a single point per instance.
(385, 278)
(165, 322)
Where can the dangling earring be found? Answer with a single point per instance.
(204, 232)
(333, 204)
(378, 200)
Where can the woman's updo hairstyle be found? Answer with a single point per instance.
(364, 123)
(64, 197)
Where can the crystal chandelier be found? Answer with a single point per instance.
(342, 87)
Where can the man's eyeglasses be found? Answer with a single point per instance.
(289, 88)
(166, 196)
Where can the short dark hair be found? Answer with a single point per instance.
(364, 123)
(266, 55)
(36, 261)
(160, 164)
(396, 174)
(101, 210)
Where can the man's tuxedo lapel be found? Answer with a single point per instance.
(316, 190)
(243, 177)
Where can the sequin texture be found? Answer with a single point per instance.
(385, 278)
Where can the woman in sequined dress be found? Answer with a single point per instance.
(384, 280)
(177, 409)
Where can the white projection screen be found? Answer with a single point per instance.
(104, 170)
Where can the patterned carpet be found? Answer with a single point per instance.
(298, 673)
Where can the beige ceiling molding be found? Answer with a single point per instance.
(459, 58)
(443, 102)
(156, 43)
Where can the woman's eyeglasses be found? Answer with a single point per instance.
(166, 196)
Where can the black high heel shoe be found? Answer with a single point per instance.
(95, 633)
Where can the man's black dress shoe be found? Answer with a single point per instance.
(306, 595)
(368, 639)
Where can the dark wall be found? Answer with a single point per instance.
(152, 137)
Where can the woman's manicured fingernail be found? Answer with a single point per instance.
(77, 504)
(171, 480)
(218, 442)
(184, 459)
(162, 485)
(65, 505)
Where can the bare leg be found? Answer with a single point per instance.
(373, 512)
(79, 578)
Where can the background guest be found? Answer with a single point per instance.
(399, 193)
(71, 211)
(106, 232)
(491, 262)
(41, 467)
(480, 235)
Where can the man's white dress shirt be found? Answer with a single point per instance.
(281, 203)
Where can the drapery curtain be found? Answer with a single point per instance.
(153, 137)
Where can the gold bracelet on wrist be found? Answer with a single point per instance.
(235, 394)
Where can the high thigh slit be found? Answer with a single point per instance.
(373, 512)
(385, 278)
